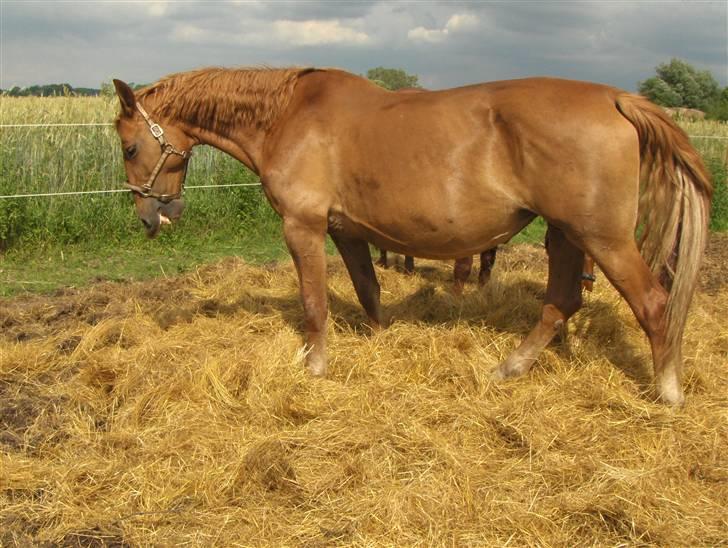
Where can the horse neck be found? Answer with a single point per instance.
(245, 144)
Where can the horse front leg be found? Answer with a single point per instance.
(358, 261)
(305, 241)
(409, 264)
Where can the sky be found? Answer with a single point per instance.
(445, 43)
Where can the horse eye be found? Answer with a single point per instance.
(130, 152)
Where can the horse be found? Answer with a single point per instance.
(442, 175)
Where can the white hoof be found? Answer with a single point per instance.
(316, 367)
(512, 367)
(670, 392)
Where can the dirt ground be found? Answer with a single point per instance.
(177, 411)
(714, 272)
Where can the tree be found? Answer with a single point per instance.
(658, 91)
(719, 109)
(679, 84)
(393, 79)
(49, 90)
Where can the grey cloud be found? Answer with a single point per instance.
(613, 42)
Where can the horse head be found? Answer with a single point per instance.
(155, 160)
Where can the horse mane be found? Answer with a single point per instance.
(220, 99)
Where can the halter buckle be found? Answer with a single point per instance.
(156, 130)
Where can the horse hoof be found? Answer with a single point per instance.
(670, 393)
(497, 375)
(316, 368)
(511, 368)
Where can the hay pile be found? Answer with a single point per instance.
(178, 411)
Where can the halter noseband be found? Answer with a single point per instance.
(167, 148)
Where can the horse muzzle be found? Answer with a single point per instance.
(153, 213)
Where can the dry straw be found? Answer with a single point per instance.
(178, 412)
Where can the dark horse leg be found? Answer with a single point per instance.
(587, 277)
(306, 244)
(461, 272)
(563, 298)
(358, 261)
(382, 261)
(409, 264)
(487, 261)
(464, 266)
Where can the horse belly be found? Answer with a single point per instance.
(432, 234)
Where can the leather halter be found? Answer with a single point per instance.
(167, 149)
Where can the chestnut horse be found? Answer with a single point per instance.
(442, 175)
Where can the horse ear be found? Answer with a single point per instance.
(126, 97)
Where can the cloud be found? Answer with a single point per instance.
(445, 42)
(459, 22)
(278, 34)
(421, 34)
(316, 33)
(156, 9)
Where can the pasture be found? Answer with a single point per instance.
(178, 411)
(171, 405)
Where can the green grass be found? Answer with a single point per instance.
(45, 269)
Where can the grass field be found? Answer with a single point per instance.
(62, 159)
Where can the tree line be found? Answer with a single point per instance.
(49, 90)
(62, 90)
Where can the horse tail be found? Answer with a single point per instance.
(674, 207)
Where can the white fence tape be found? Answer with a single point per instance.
(55, 125)
(111, 191)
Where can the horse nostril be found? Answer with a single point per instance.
(146, 224)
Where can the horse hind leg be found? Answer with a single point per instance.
(588, 278)
(563, 299)
(625, 268)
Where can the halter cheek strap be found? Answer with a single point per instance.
(167, 149)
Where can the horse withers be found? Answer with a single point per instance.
(443, 175)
